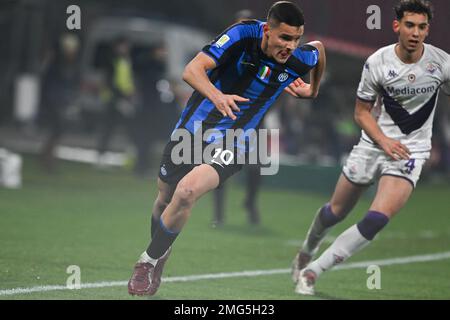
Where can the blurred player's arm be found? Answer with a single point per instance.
(301, 89)
(195, 74)
(367, 122)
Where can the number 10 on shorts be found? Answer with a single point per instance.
(222, 156)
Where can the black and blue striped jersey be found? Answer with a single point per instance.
(243, 69)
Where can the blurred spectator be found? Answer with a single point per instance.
(157, 103)
(320, 130)
(120, 96)
(293, 117)
(60, 87)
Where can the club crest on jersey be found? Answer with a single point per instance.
(411, 77)
(223, 39)
(431, 68)
(264, 73)
(283, 77)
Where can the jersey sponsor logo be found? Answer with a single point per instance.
(407, 122)
(222, 41)
(392, 74)
(410, 91)
(411, 77)
(264, 73)
(283, 77)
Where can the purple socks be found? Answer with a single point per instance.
(372, 223)
(327, 217)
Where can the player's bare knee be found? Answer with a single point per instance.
(185, 196)
(340, 210)
(161, 204)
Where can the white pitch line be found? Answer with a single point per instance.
(255, 273)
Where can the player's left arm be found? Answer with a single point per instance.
(301, 89)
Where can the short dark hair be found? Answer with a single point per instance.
(286, 12)
(415, 6)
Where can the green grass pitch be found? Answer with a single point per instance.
(99, 221)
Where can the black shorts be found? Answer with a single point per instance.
(172, 173)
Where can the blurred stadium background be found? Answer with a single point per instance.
(77, 180)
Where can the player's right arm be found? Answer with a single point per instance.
(195, 74)
(367, 122)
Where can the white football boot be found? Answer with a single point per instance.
(305, 282)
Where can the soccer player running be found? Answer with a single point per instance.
(394, 145)
(236, 79)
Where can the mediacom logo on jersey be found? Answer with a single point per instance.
(411, 91)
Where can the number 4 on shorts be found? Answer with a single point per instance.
(410, 165)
